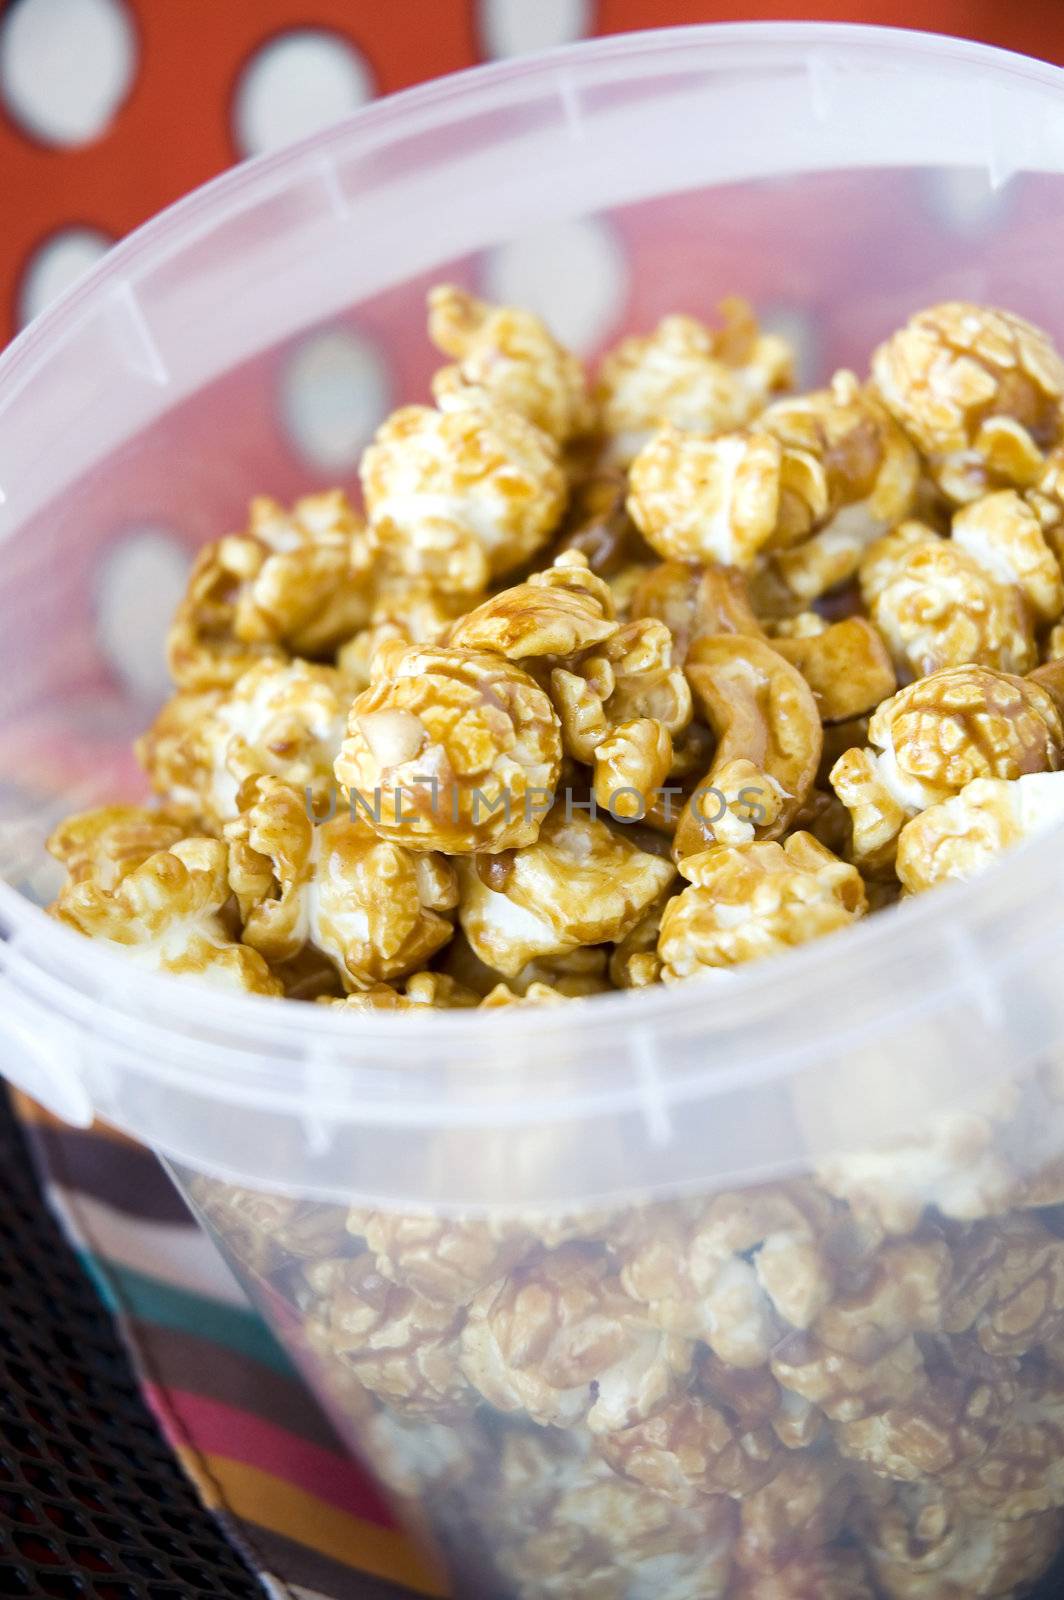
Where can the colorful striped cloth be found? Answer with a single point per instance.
(261, 1455)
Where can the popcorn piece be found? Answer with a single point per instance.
(106, 845)
(581, 883)
(960, 838)
(737, 1271)
(1009, 1286)
(558, 612)
(410, 610)
(452, 749)
(797, 1514)
(561, 1341)
(844, 1389)
(764, 714)
(296, 582)
(537, 994)
(691, 1449)
(284, 719)
(922, 1546)
(438, 990)
(1022, 1474)
(937, 606)
(267, 1231)
(824, 1575)
(695, 602)
(846, 664)
(631, 764)
(753, 900)
(869, 472)
(629, 678)
(398, 1345)
(903, 1289)
(935, 737)
(371, 906)
(447, 1262)
(165, 916)
(461, 494)
(635, 962)
(978, 390)
(511, 356)
(692, 376)
(1003, 534)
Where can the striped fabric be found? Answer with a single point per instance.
(262, 1457)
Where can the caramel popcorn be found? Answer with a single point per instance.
(166, 916)
(1022, 1474)
(764, 716)
(1004, 536)
(461, 494)
(445, 1262)
(581, 883)
(935, 737)
(937, 606)
(284, 719)
(747, 901)
(452, 749)
(268, 1231)
(630, 678)
(978, 391)
(510, 355)
(690, 1449)
(797, 1514)
(959, 838)
(558, 612)
(561, 1341)
(1008, 1286)
(106, 845)
(696, 602)
(697, 378)
(827, 1575)
(294, 583)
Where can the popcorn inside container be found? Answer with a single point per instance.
(677, 668)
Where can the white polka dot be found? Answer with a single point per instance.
(55, 265)
(573, 274)
(799, 329)
(138, 586)
(334, 392)
(512, 27)
(964, 199)
(66, 66)
(295, 85)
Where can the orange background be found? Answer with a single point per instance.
(174, 129)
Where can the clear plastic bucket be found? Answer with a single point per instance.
(754, 1291)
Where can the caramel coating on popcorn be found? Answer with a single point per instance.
(632, 677)
(694, 377)
(294, 583)
(105, 845)
(442, 1261)
(691, 1449)
(937, 606)
(461, 494)
(695, 602)
(1008, 1286)
(581, 883)
(826, 1575)
(961, 837)
(558, 612)
(1002, 533)
(978, 390)
(763, 714)
(268, 1231)
(512, 356)
(752, 900)
(455, 749)
(562, 1342)
(166, 916)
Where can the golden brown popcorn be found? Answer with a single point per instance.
(691, 1449)
(284, 719)
(447, 1262)
(513, 357)
(1022, 1473)
(399, 1346)
(922, 1546)
(631, 764)
(699, 378)
(845, 1389)
(1008, 1286)
(439, 990)
(823, 1575)
(978, 390)
(961, 837)
(105, 845)
(267, 1231)
(411, 610)
(902, 1289)
(561, 1341)
(937, 606)
(695, 601)
(537, 994)
(933, 738)
(796, 1514)
(581, 883)
(752, 900)
(580, 972)
(295, 583)
(635, 962)
(865, 473)
(166, 916)
(1003, 534)
(631, 677)
(560, 611)
(451, 749)
(846, 664)
(461, 494)
(737, 1271)
(372, 907)
(764, 716)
